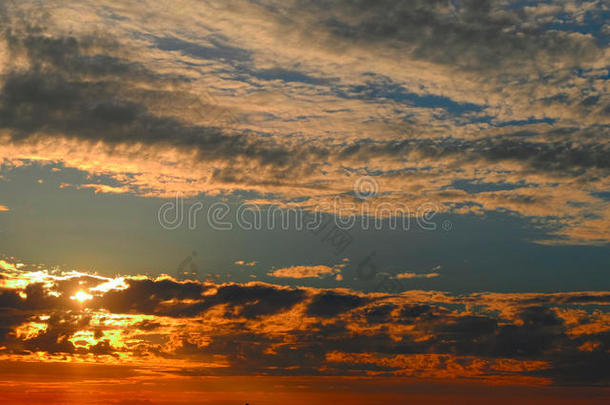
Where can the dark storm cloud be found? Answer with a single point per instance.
(9, 316)
(586, 299)
(257, 300)
(466, 327)
(539, 331)
(329, 304)
(9, 298)
(587, 368)
(36, 297)
(186, 299)
(145, 296)
(55, 339)
(379, 314)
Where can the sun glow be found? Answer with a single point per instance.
(81, 296)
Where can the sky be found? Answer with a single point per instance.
(270, 202)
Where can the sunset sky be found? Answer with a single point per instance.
(296, 202)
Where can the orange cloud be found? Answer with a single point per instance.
(106, 189)
(416, 275)
(244, 263)
(201, 328)
(261, 133)
(304, 272)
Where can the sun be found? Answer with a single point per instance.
(81, 296)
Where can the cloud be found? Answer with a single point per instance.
(415, 275)
(242, 329)
(7, 265)
(332, 303)
(244, 263)
(292, 100)
(103, 188)
(439, 32)
(319, 271)
(476, 106)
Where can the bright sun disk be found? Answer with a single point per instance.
(81, 296)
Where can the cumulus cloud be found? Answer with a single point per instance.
(240, 329)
